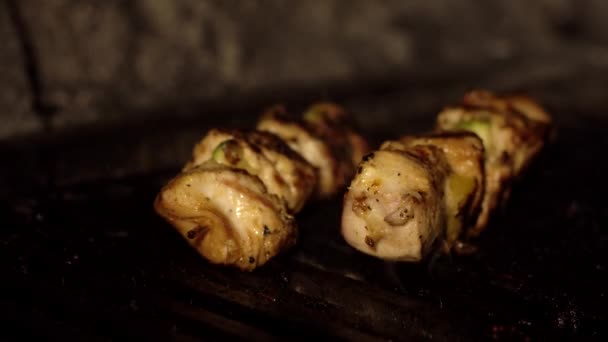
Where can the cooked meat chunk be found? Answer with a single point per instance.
(498, 138)
(513, 131)
(464, 186)
(234, 199)
(337, 127)
(301, 139)
(518, 103)
(394, 208)
(322, 140)
(227, 215)
(531, 123)
(284, 172)
(461, 173)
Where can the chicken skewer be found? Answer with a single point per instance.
(284, 172)
(446, 173)
(235, 199)
(463, 180)
(513, 131)
(324, 137)
(227, 215)
(393, 209)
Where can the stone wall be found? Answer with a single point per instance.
(16, 112)
(118, 60)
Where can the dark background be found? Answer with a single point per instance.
(81, 62)
(69, 66)
(101, 102)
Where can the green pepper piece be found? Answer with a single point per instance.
(228, 152)
(478, 126)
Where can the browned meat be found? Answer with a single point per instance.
(513, 131)
(323, 138)
(532, 123)
(233, 200)
(479, 149)
(283, 171)
(337, 128)
(464, 186)
(227, 215)
(394, 207)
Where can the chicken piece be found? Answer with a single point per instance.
(530, 121)
(320, 142)
(524, 105)
(227, 215)
(511, 141)
(464, 186)
(335, 125)
(394, 208)
(284, 172)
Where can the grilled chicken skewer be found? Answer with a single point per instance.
(394, 207)
(284, 172)
(513, 131)
(227, 215)
(480, 148)
(464, 186)
(337, 127)
(324, 138)
(235, 199)
(446, 173)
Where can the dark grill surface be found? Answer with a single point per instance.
(87, 258)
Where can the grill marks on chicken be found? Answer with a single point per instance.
(324, 137)
(513, 130)
(461, 173)
(234, 200)
(284, 172)
(335, 126)
(464, 186)
(394, 209)
(225, 214)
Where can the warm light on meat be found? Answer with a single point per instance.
(227, 215)
(336, 127)
(398, 206)
(511, 140)
(464, 186)
(529, 121)
(394, 207)
(234, 199)
(323, 138)
(283, 171)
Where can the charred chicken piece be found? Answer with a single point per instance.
(323, 138)
(227, 215)
(532, 123)
(394, 208)
(464, 170)
(233, 201)
(337, 127)
(464, 185)
(283, 171)
(513, 131)
(521, 104)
